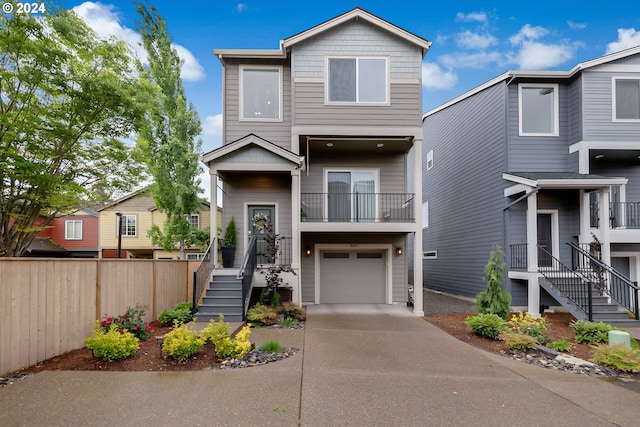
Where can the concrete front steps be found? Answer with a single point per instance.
(224, 295)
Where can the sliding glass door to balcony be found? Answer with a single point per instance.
(351, 196)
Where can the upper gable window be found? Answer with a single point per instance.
(538, 109)
(261, 93)
(626, 99)
(357, 80)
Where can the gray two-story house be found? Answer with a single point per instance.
(323, 135)
(542, 163)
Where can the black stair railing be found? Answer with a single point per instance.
(201, 276)
(247, 269)
(567, 281)
(609, 281)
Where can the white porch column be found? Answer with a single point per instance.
(295, 234)
(585, 218)
(418, 304)
(583, 161)
(213, 216)
(533, 288)
(604, 225)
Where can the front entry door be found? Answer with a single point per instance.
(544, 240)
(270, 212)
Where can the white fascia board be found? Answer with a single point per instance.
(580, 183)
(230, 148)
(516, 189)
(360, 14)
(604, 145)
(249, 53)
(520, 180)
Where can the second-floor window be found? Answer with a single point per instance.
(194, 221)
(73, 230)
(538, 106)
(626, 105)
(261, 93)
(128, 225)
(357, 80)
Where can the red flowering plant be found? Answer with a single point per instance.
(132, 321)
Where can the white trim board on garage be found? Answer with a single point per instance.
(351, 247)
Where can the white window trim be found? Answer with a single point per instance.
(66, 229)
(430, 160)
(197, 216)
(556, 105)
(425, 214)
(325, 183)
(123, 217)
(431, 254)
(613, 99)
(241, 95)
(387, 101)
(195, 256)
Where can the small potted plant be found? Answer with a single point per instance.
(229, 244)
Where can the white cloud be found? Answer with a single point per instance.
(212, 125)
(576, 25)
(470, 40)
(538, 56)
(103, 19)
(627, 37)
(528, 33)
(241, 7)
(471, 17)
(435, 78)
(470, 60)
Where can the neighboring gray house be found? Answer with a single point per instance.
(535, 159)
(318, 135)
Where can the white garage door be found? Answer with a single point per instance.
(352, 277)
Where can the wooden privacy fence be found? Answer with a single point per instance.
(46, 305)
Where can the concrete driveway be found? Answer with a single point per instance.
(382, 369)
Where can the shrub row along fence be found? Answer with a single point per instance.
(46, 305)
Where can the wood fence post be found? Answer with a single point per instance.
(98, 288)
(154, 303)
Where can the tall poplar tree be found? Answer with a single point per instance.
(169, 139)
(68, 100)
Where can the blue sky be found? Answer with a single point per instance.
(473, 41)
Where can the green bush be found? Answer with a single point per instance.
(561, 345)
(264, 314)
(180, 313)
(237, 347)
(591, 332)
(182, 342)
(485, 324)
(113, 344)
(495, 300)
(518, 341)
(130, 321)
(271, 347)
(216, 331)
(289, 321)
(618, 357)
(293, 310)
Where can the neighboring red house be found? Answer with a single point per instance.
(72, 236)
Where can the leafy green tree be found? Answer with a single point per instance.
(168, 140)
(496, 299)
(67, 102)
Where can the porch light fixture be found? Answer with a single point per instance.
(380, 145)
(329, 144)
(399, 250)
(599, 156)
(308, 251)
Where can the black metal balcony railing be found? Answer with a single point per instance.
(518, 256)
(357, 207)
(621, 215)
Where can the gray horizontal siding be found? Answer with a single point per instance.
(543, 153)
(629, 170)
(278, 133)
(598, 108)
(356, 39)
(404, 109)
(392, 170)
(575, 110)
(464, 190)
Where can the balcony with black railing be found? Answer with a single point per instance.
(622, 215)
(357, 207)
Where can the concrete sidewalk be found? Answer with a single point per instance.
(380, 369)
